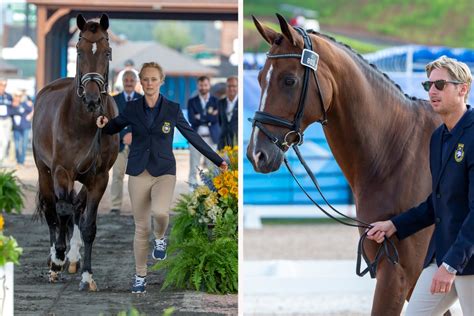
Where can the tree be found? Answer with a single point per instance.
(174, 34)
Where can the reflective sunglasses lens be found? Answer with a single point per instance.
(426, 85)
(439, 84)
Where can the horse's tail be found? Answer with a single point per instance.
(40, 210)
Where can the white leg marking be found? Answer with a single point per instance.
(86, 277)
(76, 242)
(54, 259)
(261, 108)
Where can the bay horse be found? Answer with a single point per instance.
(378, 135)
(68, 147)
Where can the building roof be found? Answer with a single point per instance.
(173, 62)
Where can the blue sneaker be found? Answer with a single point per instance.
(159, 249)
(139, 284)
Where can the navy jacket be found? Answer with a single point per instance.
(121, 102)
(207, 119)
(229, 130)
(152, 148)
(450, 206)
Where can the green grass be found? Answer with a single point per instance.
(357, 45)
(429, 22)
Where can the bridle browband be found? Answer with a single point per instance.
(102, 81)
(309, 59)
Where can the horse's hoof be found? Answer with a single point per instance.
(53, 276)
(85, 286)
(73, 267)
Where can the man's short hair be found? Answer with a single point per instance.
(204, 78)
(129, 62)
(457, 70)
(231, 78)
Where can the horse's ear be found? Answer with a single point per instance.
(290, 33)
(81, 22)
(104, 21)
(267, 33)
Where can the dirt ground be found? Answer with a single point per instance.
(112, 264)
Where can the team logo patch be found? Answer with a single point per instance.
(459, 153)
(166, 127)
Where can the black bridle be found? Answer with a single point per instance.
(309, 60)
(102, 82)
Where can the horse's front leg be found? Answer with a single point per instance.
(63, 190)
(75, 241)
(395, 281)
(88, 228)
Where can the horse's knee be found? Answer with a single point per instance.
(64, 208)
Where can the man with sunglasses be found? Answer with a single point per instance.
(448, 272)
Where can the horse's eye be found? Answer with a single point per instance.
(290, 82)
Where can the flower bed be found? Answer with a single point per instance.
(203, 251)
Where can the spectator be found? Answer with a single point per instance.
(22, 115)
(5, 120)
(228, 115)
(129, 83)
(203, 117)
(129, 65)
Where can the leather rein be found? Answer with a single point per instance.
(309, 60)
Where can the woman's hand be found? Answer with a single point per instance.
(224, 166)
(102, 121)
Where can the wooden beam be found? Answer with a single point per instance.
(41, 40)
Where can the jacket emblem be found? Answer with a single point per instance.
(459, 153)
(166, 127)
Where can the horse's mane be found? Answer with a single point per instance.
(370, 68)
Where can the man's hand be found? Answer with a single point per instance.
(102, 121)
(224, 166)
(127, 139)
(197, 116)
(381, 229)
(442, 281)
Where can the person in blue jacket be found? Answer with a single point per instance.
(128, 94)
(151, 164)
(448, 272)
(22, 114)
(203, 117)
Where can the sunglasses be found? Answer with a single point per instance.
(439, 84)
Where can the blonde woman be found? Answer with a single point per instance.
(151, 163)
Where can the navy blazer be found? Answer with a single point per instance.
(152, 148)
(207, 119)
(121, 102)
(450, 206)
(229, 130)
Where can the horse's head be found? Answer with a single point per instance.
(93, 56)
(290, 99)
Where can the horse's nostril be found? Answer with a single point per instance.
(260, 157)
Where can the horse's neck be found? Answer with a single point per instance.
(371, 129)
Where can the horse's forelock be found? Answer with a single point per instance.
(92, 26)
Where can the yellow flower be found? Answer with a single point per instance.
(217, 182)
(202, 190)
(2, 222)
(224, 192)
(234, 191)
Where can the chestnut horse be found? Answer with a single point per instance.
(378, 135)
(68, 147)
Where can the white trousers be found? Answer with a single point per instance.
(5, 135)
(422, 302)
